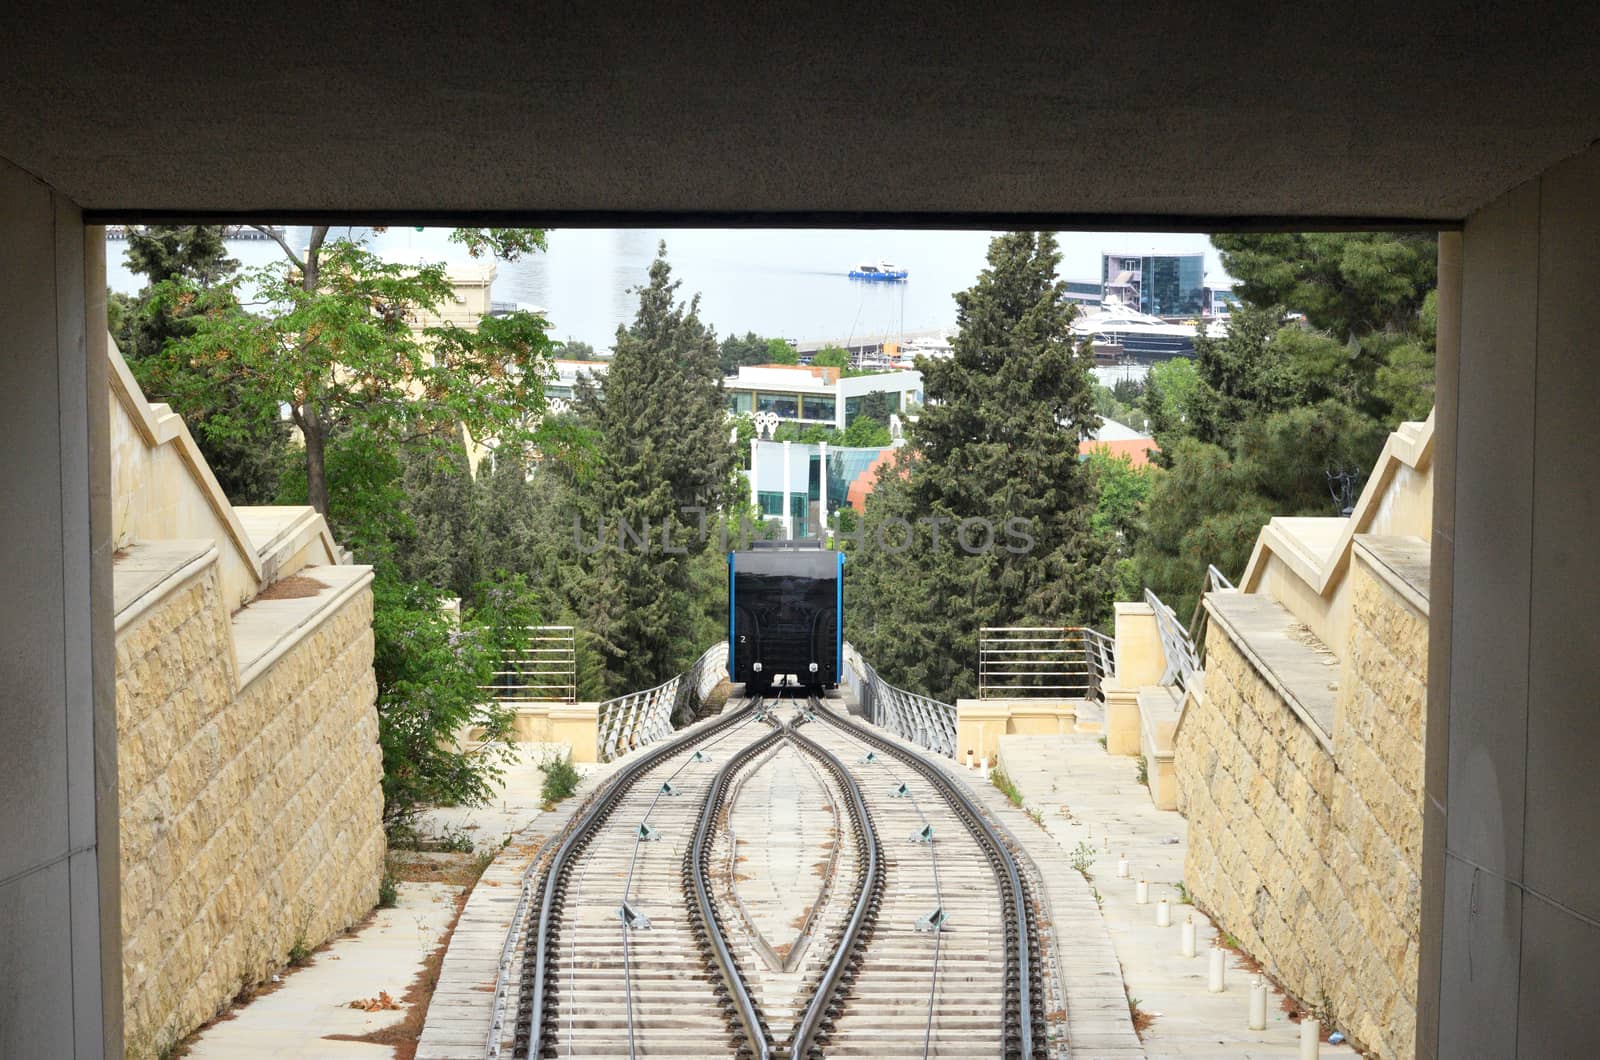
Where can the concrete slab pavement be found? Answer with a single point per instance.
(1086, 796)
(294, 1020)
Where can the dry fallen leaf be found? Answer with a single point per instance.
(383, 1002)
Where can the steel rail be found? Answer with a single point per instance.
(868, 895)
(1025, 1008)
(577, 836)
(696, 867)
(627, 886)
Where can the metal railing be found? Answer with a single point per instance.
(641, 718)
(1043, 662)
(1184, 649)
(1177, 649)
(543, 669)
(926, 722)
(1213, 581)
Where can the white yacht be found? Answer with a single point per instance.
(1139, 334)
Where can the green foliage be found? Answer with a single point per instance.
(1331, 348)
(388, 891)
(1168, 402)
(866, 433)
(737, 352)
(573, 350)
(1082, 857)
(245, 447)
(437, 484)
(1129, 391)
(560, 780)
(1348, 284)
(1006, 785)
(1109, 407)
(874, 406)
(456, 841)
(651, 466)
(997, 441)
(1204, 510)
(780, 352)
(367, 507)
(809, 433)
(831, 357)
(1143, 773)
(443, 744)
(1121, 492)
(507, 244)
(339, 350)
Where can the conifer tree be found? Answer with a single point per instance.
(662, 448)
(998, 443)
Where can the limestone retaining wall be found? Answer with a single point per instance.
(1311, 858)
(250, 817)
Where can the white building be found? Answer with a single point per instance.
(819, 395)
(564, 384)
(802, 485)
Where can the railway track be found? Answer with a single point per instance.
(780, 883)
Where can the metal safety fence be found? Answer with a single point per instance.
(542, 669)
(1183, 649)
(641, 718)
(925, 722)
(1043, 662)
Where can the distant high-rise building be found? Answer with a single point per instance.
(1163, 285)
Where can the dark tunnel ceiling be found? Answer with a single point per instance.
(1161, 113)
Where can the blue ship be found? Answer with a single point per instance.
(881, 271)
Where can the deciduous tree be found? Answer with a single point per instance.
(339, 347)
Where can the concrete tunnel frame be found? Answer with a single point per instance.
(1507, 892)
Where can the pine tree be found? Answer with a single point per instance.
(663, 448)
(996, 446)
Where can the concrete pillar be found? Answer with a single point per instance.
(788, 487)
(60, 948)
(1140, 661)
(755, 449)
(1447, 367)
(1506, 966)
(822, 478)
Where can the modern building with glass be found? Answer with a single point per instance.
(814, 395)
(1162, 285)
(803, 486)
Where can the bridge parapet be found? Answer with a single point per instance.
(639, 719)
(924, 721)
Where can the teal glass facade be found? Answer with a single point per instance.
(1162, 285)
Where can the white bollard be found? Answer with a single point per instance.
(970, 762)
(1214, 981)
(1188, 937)
(1141, 892)
(1163, 913)
(1122, 867)
(1310, 1038)
(1258, 1004)
(983, 765)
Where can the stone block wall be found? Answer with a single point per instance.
(1311, 858)
(250, 818)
